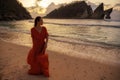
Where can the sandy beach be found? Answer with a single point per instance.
(13, 66)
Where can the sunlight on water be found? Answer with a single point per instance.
(16, 32)
(69, 36)
(70, 30)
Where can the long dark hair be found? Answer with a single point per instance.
(38, 18)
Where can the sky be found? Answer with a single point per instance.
(45, 3)
(34, 9)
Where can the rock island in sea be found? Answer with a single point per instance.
(80, 10)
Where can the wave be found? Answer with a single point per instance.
(84, 36)
(71, 40)
(21, 31)
(109, 20)
(8, 29)
(86, 25)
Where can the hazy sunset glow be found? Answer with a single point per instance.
(45, 3)
(28, 3)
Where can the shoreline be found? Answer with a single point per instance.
(13, 65)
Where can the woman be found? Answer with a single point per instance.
(37, 59)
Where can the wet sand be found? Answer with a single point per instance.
(13, 66)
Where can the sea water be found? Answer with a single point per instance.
(105, 32)
(67, 35)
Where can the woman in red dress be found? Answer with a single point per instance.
(37, 58)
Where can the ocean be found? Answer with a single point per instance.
(72, 31)
(96, 39)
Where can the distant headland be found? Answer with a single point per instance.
(80, 10)
(12, 10)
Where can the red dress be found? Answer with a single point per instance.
(37, 60)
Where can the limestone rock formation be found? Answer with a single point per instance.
(107, 13)
(80, 10)
(98, 12)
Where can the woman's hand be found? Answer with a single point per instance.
(45, 46)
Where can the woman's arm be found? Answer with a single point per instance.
(45, 45)
(46, 42)
(46, 39)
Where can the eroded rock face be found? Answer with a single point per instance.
(12, 10)
(107, 13)
(98, 12)
(80, 10)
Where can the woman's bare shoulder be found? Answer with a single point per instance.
(44, 27)
(32, 29)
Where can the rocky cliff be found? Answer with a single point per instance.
(12, 10)
(107, 13)
(98, 12)
(80, 10)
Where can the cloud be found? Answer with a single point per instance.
(107, 4)
(115, 15)
(118, 5)
(38, 0)
(93, 5)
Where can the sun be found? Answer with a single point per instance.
(44, 3)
